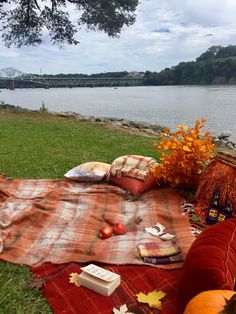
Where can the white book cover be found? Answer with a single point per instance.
(99, 279)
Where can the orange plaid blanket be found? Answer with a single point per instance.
(58, 221)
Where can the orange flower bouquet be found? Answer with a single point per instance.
(184, 155)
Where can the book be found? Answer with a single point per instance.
(164, 260)
(158, 249)
(99, 279)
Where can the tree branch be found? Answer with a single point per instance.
(28, 13)
(37, 5)
(24, 24)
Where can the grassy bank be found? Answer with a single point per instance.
(42, 146)
(35, 145)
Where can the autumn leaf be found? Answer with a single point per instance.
(152, 298)
(138, 220)
(37, 284)
(123, 310)
(74, 278)
(184, 154)
(189, 138)
(186, 148)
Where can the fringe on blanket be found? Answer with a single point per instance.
(221, 173)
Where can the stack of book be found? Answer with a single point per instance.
(164, 252)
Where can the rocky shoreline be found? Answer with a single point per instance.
(223, 140)
(137, 127)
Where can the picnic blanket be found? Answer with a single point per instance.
(58, 221)
(66, 298)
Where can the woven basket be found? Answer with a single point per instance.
(227, 157)
(220, 173)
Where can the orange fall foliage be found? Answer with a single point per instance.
(184, 154)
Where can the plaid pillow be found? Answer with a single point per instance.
(132, 166)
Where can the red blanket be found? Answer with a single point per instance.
(58, 221)
(66, 298)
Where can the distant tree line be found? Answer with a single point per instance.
(121, 74)
(109, 79)
(215, 66)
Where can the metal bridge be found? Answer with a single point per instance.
(50, 82)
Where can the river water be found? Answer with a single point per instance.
(163, 105)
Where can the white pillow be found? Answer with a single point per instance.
(92, 171)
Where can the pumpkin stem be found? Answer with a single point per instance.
(230, 307)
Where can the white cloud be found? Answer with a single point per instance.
(184, 29)
(209, 13)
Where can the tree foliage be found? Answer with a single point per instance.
(215, 66)
(209, 54)
(218, 52)
(25, 22)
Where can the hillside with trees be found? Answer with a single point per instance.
(215, 66)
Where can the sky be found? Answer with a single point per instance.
(166, 32)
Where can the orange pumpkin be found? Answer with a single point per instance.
(213, 302)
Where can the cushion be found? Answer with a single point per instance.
(134, 186)
(210, 262)
(134, 166)
(89, 172)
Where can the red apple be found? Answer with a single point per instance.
(105, 232)
(119, 228)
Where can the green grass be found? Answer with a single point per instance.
(41, 146)
(15, 297)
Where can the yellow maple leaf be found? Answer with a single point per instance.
(186, 148)
(189, 138)
(152, 298)
(74, 278)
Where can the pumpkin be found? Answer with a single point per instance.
(213, 302)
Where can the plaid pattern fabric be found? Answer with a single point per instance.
(159, 248)
(132, 166)
(58, 221)
(164, 260)
(66, 298)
